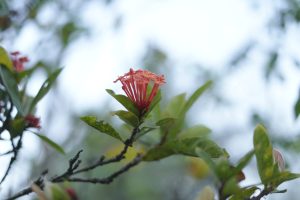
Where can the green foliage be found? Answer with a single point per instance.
(282, 177)
(4, 59)
(16, 127)
(127, 117)
(195, 131)
(101, 126)
(44, 88)
(178, 107)
(186, 146)
(264, 154)
(125, 101)
(12, 88)
(50, 143)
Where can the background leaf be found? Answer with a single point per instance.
(44, 88)
(185, 147)
(101, 126)
(127, 117)
(51, 143)
(12, 88)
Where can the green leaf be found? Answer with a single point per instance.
(282, 177)
(125, 101)
(264, 154)
(5, 59)
(174, 106)
(185, 147)
(165, 124)
(44, 88)
(127, 117)
(297, 107)
(181, 117)
(244, 161)
(12, 88)
(50, 142)
(195, 96)
(144, 131)
(195, 131)
(16, 127)
(244, 193)
(101, 126)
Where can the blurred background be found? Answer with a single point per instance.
(250, 49)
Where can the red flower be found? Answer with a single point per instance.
(135, 84)
(32, 121)
(18, 61)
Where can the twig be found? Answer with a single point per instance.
(263, 193)
(111, 177)
(75, 162)
(14, 157)
(6, 153)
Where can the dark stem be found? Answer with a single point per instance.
(263, 193)
(14, 157)
(75, 162)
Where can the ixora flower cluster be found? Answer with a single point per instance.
(137, 86)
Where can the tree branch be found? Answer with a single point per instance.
(263, 193)
(14, 157)
(75, 162)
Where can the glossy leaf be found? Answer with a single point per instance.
(264, 154)
(44, 88)
(125, 101)
(12, 88)
(127, 117)
(185, 147)
(101, 126)
(51, 143)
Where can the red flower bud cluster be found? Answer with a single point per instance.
(32, 121)
(18, 61)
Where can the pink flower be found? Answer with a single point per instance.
(32, 121)
(18, 61)
(135, 85)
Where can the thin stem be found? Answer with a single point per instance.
(75, 162)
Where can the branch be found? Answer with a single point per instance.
(263, 193)
(15, 150)
(111, 177)
(75, 162)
